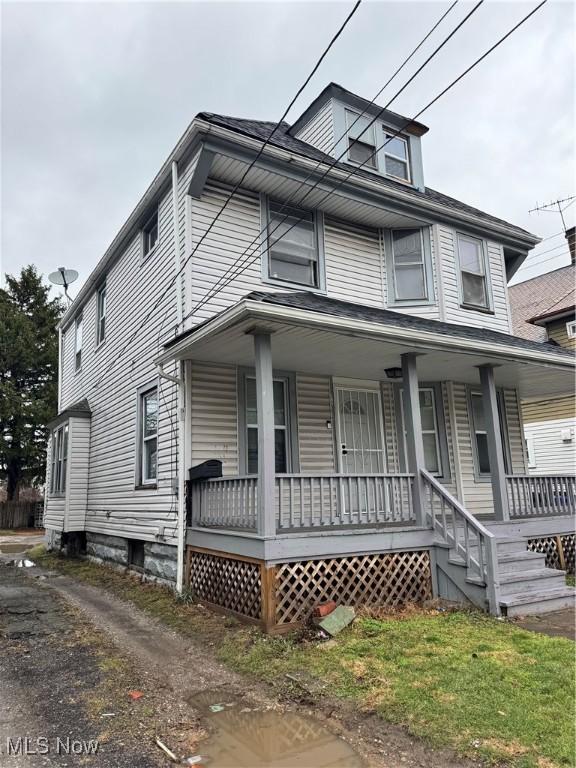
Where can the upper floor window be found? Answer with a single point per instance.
(150, 234)
(293, 251)
(396, 157)
(571, 329)
(59, 461)
(148, 436)
(78, 343)
(473, 271)
(409, 268)
(101, 314)
(361, 141)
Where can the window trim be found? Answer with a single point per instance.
(489, 308)
(473, 391)
(372, 144)
(391, 300)
(145, 230)
(571, 329)
(59, 449)
(318, 218)
(140, 483)
(441, 435)
(78, 322)
(391, 134)
(101, 316)
(292, 444)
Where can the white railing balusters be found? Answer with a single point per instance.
(541, 495)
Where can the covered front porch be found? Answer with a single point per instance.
(344, 437)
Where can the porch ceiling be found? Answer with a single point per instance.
(354, 354)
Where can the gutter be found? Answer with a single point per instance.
(393, 334)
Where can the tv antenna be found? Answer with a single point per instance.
(550, 208)
(65, 278)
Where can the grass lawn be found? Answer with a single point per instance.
(462, 680)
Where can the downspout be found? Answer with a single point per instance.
(181, 509)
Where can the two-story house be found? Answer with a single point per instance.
(339, 337)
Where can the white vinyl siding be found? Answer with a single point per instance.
(499, 317)
(315, 424)
(354, 268)
(552, 453)
(319, 130)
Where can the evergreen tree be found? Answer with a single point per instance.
(28, 377)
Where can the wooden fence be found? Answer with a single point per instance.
(21, 514)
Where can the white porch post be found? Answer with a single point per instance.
(495, 453)
(414, 443)
(266, 520)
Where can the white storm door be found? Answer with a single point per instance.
(360, 431)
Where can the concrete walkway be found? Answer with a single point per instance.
(555, 624)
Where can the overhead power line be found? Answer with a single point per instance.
(233, 267)
(544, 261)
(172, 281)
(542, 253)
(211, 293)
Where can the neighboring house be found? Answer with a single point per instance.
(345, 351)
(544, 309)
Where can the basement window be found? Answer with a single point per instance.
(136, 554)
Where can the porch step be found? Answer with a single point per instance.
(512, 562)
(545, 601)
(507, 545)
(530, 581)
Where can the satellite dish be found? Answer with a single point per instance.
(64, 277)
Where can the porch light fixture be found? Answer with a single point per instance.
(393, 373)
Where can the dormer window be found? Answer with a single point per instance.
(396, 157)
(361, 139)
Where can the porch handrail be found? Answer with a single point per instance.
(337, 500)
(464, 534)
(541, 495)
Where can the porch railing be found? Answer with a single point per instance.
(468, 539)
(225, 502)
(306, 501)
(541, 495)
(338, 500)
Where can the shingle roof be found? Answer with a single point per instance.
(551, 292)
(315, 303)
(261, 129)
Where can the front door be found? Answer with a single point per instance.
(360, 431)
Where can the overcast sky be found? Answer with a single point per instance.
(95, 95)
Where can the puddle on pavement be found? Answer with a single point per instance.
(244, 737)
(6, 549)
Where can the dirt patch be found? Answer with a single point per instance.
(555, 624)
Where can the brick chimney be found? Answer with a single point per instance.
(571, 237)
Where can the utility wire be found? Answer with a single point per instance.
(210, 294)
(236, 187)
(542, 253)
(544, 261)
(231, 270)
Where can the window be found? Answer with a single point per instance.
(59, 460)
(281, 446)
(472, 271)
(361, 142)
(78, 343)
(149, 436)
(396, 157)
(150, 234)
(101, 314)
(571, 329)
(408, 265)
(292, 245)
(530, 452)
(481, 435)
(429, 403)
